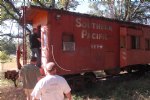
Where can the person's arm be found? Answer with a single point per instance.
(36, 93)
(34, 98)
(39, 39)
(20, 78)
(67, 89)
(38, 74)
(68, 95)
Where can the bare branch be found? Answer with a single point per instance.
(10, 35)
(41, 4)
(12, 15)
(14, 8)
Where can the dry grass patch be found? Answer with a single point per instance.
(8, 91)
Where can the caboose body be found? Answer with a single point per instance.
(81, 43)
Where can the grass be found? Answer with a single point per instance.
(133, 89)
(8, 91)
(117, 88)
(11, 65)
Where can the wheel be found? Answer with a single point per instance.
(89, 79)
(76, 82)
(129, 70)
(114, 71)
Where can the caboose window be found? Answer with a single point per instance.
(135, 42)
(68, 42)
(147, 44)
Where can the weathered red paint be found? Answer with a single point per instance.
(95, 41)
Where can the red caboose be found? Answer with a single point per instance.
(81, 43)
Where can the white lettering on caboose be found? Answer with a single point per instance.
(93, 25)
(91, 30)
(97, 36)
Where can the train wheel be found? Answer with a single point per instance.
(129, 70)
(89, 79)
(76, 82)
(114, 71)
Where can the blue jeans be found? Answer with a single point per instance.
(35, 52)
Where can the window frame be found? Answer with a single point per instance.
(147, 44)
(68, 42)
(135, 42)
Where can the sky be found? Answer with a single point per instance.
(83, 7)
(11, 26)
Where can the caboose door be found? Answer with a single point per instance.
(123, 51)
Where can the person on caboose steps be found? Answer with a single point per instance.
(29, 75)
(35, 46)
(52, 86)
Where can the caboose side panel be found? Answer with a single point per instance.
(81, 43)
(66, 44)
(135, 50)
(104, 47)
(135, 44)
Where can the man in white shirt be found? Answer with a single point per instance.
(52, 86)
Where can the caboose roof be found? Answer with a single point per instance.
(32, 11)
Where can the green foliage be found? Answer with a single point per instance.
(125, 10)
(5, 8)
(145, 0)
(11, 9)
(4, 57)
(7, 46)
(131, 88)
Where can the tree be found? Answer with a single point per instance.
(125, 10)
(11, 10)
(8, 46)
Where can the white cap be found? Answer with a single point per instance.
(50, 65)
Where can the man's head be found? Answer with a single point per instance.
(33, 60)
(50, 67)
(35, 30)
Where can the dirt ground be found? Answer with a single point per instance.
(12, 65)
(11, 93)
(7, 89)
